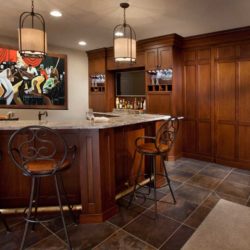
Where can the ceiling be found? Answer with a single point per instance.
(93, 20)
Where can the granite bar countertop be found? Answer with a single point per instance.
(117, 120)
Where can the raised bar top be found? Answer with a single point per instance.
(120, 120)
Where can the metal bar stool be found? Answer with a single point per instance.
(41, 152)
(160, 145)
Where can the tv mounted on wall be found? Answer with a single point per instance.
(130, 83)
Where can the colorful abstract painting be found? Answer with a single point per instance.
(32, 82)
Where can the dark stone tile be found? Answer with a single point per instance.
(211, 200)
(197, 217)
(125, 214)
(152, 230)
(234, 189)
(241, 171)
(177, 241)
(204, 181)
(174, 185)
(87, 236)
(219, 166)
(11, 220)
(215, 171)
(178, 175)
(50, 243)
(142, 199)
(121, 240)
(191, 193)
(190, 167)
(13, 239)
(179, 211)
(239, 178)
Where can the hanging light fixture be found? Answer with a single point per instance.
(32, 41)
(124, 40)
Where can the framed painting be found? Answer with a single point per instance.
(32, 82)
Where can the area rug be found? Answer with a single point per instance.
(227, 227)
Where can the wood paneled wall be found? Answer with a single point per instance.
(217, 102)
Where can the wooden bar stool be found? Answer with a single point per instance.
(160, 145)
(41, 152)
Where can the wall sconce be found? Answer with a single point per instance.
(124, 39)
(32, 41)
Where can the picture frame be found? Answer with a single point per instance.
(33, 83)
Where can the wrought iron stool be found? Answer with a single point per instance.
(160, 145)
(40, 152)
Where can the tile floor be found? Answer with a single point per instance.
(197, 185)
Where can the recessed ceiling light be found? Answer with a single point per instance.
(82, 43)
(55, 13)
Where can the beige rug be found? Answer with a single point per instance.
(227, 227)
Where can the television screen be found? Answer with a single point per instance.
(130, 83)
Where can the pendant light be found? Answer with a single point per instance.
(124, 40)
(32, 41)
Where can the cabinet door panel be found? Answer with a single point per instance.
(190, 91)
(159, 104)
(225, 52)
(151, 59)
(225, 91)
(225, 141)
(204, 91)
(244, 91)
(165, 59)
(189, 129)
(204, 138)
(244, 143)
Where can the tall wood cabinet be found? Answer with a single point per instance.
(232, 104)
(197, 96)
(217, 99)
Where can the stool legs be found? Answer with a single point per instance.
(29, 213)
(61, 211)
(136, 178)
(167, 178)
(155, 194)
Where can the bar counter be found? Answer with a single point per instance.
(101, 170)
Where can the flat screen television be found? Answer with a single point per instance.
(130, 83)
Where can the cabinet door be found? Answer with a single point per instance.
(226, 103)
(151, 59)
(165, 59)
(159, 104)
(97, 65)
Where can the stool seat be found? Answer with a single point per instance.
(150, 148)
(44, 167)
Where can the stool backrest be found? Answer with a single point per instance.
(37, 143)
(167, 132)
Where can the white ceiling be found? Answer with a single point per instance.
(94, 20)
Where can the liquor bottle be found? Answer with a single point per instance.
(135, 104)
(144, 104)
(117, 103)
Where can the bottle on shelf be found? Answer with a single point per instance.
(117, 102)
(144, 104)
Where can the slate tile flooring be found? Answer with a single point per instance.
(197, 185)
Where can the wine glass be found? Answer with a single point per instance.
(90, 115)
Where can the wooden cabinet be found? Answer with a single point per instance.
(232, 105)
(197, 130)
(158, 58)
(101, 96)
(163, 78)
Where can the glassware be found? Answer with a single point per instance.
(90, 115)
